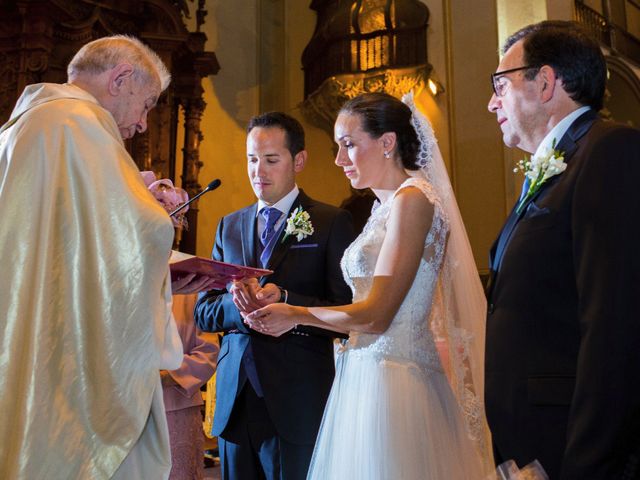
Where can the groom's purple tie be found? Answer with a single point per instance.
(268, 237)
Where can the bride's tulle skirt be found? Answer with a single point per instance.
(391, 420)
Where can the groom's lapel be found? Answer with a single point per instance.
(282, 247)
(503, 240)
(568, 145)
(248, 236)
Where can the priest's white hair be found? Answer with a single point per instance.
(107, 52)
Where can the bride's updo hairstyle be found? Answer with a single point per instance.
(381, 113)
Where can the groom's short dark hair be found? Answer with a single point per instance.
(293, 130)
(573, 54)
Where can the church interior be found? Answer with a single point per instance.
(231, 60)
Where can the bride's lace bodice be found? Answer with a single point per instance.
(408, 337)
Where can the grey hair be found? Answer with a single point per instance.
(104, 53)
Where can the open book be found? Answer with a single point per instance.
(182, 263)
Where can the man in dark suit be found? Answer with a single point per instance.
(271, 392)
(563, 324)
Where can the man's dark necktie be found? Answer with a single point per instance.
(525, 188)
(268, 238)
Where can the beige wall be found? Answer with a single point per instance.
(477, 153)
(515, 14)
(560, 9)
(231, 98)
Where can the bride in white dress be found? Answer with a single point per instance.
(400, 407)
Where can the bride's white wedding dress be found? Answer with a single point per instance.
(391, 414)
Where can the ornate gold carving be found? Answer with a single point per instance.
(372, 18)
(322, 106)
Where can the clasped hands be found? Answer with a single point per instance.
(258, 305)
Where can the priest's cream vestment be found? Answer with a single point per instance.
(84, 295)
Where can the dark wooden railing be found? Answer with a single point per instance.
(607, 33)
(594, 23)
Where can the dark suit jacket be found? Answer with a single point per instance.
(295, 371)
(563, 327)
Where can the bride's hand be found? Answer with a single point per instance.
(275, 319)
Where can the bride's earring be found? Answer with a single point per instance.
(386, 154)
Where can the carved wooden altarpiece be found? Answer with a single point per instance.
(39, 37)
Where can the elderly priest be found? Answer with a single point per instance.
(85, 292)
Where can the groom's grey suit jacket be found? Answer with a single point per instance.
(296, 370)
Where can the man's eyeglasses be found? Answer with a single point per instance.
(499, 82)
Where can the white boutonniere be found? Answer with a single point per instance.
(539, 169)
(298, 224)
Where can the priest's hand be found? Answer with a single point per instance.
(191, 283)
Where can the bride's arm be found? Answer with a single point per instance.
(408, 223)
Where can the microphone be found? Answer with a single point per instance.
(212, 186)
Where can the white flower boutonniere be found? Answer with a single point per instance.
(539, 169)
(298, 224)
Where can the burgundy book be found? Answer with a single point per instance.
(182, 263)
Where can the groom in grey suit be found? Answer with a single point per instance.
(271, 392)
